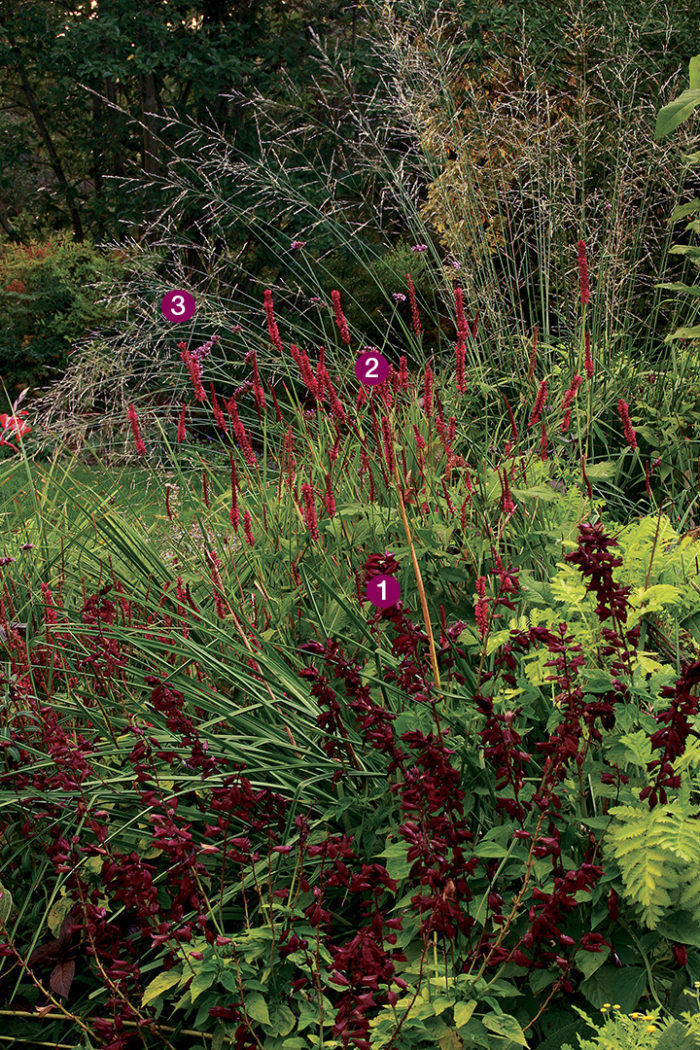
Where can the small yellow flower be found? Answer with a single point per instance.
(605, 1006)
(652, 1028)
(616, 1006)
(635, 1015)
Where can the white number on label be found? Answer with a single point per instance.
(371, 366)
(382, 588)
(180, 300)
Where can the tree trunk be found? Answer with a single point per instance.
(54, 159)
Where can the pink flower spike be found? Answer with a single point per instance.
(138, 441)
(340, 317)
(272, 328)
(630, 436)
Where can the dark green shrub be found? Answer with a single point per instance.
(51, 294)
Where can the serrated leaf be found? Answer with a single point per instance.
(159, 985)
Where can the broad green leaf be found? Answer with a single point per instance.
(201, 982)
(676, 112)
(159, 985)
(281, 1020)
(256, 1007)
(5, 903)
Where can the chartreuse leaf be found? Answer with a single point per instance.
(159, 985)
(507, 1026)
(463, 1012)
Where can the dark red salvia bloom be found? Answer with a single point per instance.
(539, 404)
(415, 316)
(271, 322)
(583, 273)
(329, 498)
(309, 510)
(304, 365)
(181, 433)
(340, 317)
(216, 409)
(624, 413)
(680, 954)
(613, 908)
(588, 360)
(595, 562)
(462, 325)
(428, 392)
(248, 528)
(671, 739)
(138, 440)
(533, 355)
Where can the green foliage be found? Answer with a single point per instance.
(50, 298)
(669, 118)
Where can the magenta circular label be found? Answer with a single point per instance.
(371, 368)
(178, 305)
(383, 591)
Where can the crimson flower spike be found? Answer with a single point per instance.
(138, 440)
(415, 316)
(340, 317)
(272, 328)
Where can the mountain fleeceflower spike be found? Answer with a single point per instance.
(138, 441)
(340, 317)
(539, 404)
(583, 273)
(272, 328)
(624, 413)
